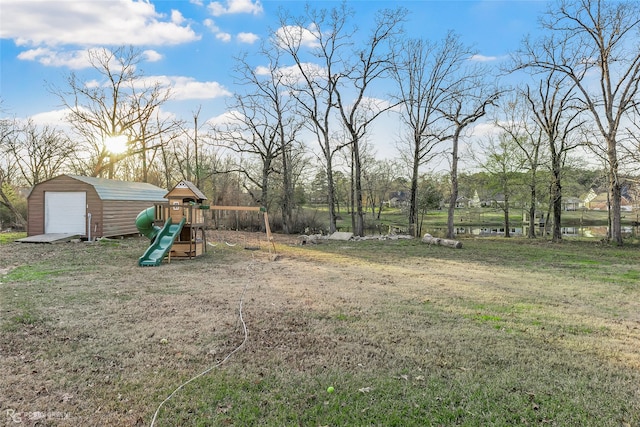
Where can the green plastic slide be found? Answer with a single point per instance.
(161, 238)
(144, 223)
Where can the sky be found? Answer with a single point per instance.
(190, 45)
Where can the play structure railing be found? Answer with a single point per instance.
(193, 213)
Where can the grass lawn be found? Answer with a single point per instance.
(498, 333)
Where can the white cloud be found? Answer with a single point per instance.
(92, 84)
(248, 38)
(75, 59)
(34, 54)
(262, 70)
(152, 55)
(483, 58)
(51, 118)
(87, 23)
(211, 25)
(483, 130)
(293, 74)
(225, 37)
(59, 118)
(235, 6)
(184, 88)
(375, 104)
(220, 35)
(176, 17)
(227, 118)
(296, 36)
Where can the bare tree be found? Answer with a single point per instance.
(528, 137)
(179, 158)
(322, 36)
(148, 136)
(372, 63)
(557, 116)
(173, 149)
(39, 153)
(192, 144)
(594, 43)
(339, 82)
(426, 73)
(120, 103)
(467, 103)
(271, 96)
(8, 169)
(263, 127)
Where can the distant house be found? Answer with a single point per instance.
(589, 197)
(571, 204)
(463, 202)
(497, 200)
(398, 199)
(599, 203)
(598, 200)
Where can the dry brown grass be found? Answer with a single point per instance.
(83, 343)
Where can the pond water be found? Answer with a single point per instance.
(598, 232)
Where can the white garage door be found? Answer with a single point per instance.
(65, 212)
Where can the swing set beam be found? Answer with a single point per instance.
(250, 208)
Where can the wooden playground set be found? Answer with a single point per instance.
(177, 228)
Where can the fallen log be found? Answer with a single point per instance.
(428, 238)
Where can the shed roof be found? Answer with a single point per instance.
(111, 189)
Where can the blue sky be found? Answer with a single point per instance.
(190, 44)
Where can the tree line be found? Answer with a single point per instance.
(299, 125)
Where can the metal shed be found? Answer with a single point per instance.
(89, 207)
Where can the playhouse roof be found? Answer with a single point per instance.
(190, 186)
(110, 189)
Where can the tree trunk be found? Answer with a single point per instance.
(359, 226)
(532, 206)
(413, 198)
(507, 225)
(531, 232)
(428, 238)
(556, 199)
(454, 186)
(196, 156)
(352, 193)
(615, 192)
(616, 218)
(331, 198)
(145, 166)
(166, 168)
(287, 194)
(264, 191)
